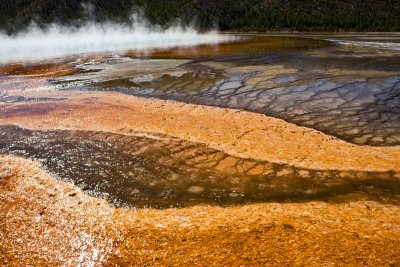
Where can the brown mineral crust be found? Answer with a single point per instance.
(310, 234)
(240, 133)
(44, 221)
(47, 222)
(43, 69)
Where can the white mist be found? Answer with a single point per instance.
(36, 44)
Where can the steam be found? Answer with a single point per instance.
(57, 41)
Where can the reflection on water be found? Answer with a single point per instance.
(163, 172)
(247, 45)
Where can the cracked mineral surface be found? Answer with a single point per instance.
(331, 90)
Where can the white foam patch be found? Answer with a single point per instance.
(37, 44)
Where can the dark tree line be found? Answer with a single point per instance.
(234, 15)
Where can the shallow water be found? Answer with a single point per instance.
(245, 45)
(162, 172)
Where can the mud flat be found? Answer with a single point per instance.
(46, 221)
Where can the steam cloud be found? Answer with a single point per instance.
(56, 41)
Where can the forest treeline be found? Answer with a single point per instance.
(227, 15)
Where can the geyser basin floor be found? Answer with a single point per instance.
(238, 133)
(48, 222)
(146, 151)
(344, 91)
